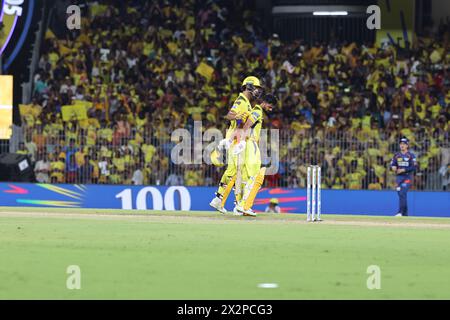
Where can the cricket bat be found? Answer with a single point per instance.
(238, 183)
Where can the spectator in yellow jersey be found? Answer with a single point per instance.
(273, 206)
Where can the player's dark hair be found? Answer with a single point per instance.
(248, 86)
(270, 98)
(404, 140)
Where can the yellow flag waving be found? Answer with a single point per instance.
(205, 70)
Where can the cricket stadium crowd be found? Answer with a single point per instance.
(107, 98)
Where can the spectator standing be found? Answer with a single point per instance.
(42, 169)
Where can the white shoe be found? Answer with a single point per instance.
(250, 213)
(399, 215)
(242, 212)
(236, 212)
(216, 203)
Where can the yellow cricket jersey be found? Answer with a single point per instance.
(241, 104)
(119, 163)
(57, 166)
(256, 116)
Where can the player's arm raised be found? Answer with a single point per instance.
(232, 114)
(242, 133)
(251, 120)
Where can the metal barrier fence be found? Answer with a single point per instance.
(348, 161)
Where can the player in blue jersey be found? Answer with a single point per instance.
(404, 164)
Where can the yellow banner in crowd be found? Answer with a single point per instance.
(205, 70)
(6, 106)
(98, 9)
(78, 111)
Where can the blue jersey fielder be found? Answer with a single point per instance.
(404, 164)
(406, 161)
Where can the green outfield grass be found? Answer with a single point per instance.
(168, 255)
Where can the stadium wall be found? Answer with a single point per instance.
(356, 202)
(440, 11)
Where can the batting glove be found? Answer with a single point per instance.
(225, 143)
(239, 148)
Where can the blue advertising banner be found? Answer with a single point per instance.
(358, 202)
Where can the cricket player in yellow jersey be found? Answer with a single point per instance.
(253, 174)
(238, 114)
